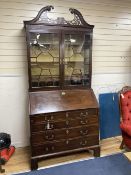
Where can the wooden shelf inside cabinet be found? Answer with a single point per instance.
(63, 108)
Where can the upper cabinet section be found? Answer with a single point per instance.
(59, 51)
(44, 60)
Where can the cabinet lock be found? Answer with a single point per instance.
(48, 125)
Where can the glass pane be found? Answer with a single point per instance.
(76, 59)
(44, 55)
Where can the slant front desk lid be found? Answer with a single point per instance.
(62, 100)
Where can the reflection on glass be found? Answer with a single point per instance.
(76, 57)
(44, 55)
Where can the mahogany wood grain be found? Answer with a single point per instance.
(64, 145)
(54, 101)
(51, 135)
(42, 126)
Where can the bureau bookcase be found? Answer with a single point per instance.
(63, 109)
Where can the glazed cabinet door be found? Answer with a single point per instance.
(44, 59)
(77, 58)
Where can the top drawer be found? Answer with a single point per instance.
(36, 119)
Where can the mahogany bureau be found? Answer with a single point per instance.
(63, 107)
(67, 125)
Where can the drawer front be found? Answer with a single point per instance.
(41, 137)
(82, 113)
(54, 147)
(82, 122)
(51, 125)
(37, 119)
(63, 116)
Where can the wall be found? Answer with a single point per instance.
(111, 53)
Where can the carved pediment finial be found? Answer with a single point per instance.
(44, 9)
(42, 18)
(78, 16)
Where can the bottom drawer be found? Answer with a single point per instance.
(54, 147)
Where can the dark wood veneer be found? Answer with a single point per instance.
(63, 109)
(64, 100)
(44, 136)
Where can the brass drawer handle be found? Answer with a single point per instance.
(50, 137)
(67, 131)
(46, 118)
(67, 142)
(47, 148)
(51, 126)
(49, 117)
(87, 113)
(84, 122)
(67, 122)
(83, 143)
(52, 117)
(84, 132)
(67, 114)
(83, 115)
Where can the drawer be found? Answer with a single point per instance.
(64, 145)
(48, 148)
(82, 121)
(51, 125)
(41, 137)
(63, 116)
(81, 113)
(36, 119)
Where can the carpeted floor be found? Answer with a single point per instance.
(116, 164)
